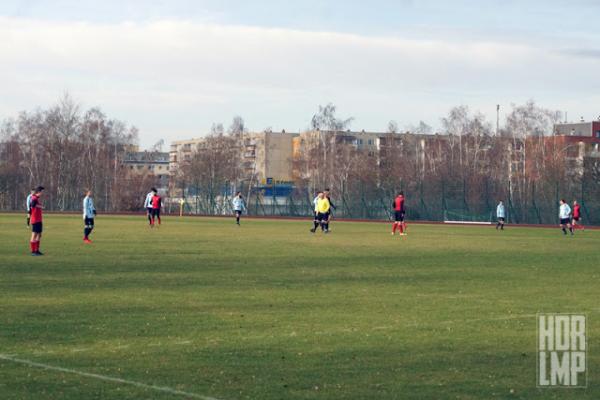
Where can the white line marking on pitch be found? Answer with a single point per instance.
(164, 389)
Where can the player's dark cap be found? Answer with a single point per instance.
(154, 189)
(39, 189)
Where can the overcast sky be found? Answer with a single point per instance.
(172, 68)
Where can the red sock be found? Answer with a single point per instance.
(394, 227)
(401, 228)
(32, 246)
(36, 246)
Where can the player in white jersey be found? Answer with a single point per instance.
(500, 215)
(239, 205)
(28, 205)
(89, 213)
(564, 214)
(148, 204)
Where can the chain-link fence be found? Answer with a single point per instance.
(428, 201)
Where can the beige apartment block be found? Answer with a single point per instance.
(267, 156)
(181, 151)
(361, 140)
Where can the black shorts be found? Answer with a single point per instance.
(155, 212)
(321, 217)
(238, 212)
(500, 219)
(149, 210)
(36, 227)
(399, 216)
(88, 222)
(565, 221)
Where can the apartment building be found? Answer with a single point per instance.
(150, 163)
(266, 156)
(582, 129)
(361, 140)
(182, 150)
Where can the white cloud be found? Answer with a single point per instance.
(174, 78)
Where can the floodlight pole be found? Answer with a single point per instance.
(497, 119)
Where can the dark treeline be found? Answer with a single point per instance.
(67, 151)
(459, 173)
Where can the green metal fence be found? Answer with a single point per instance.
(454, 201)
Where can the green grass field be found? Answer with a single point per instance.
(270, 311)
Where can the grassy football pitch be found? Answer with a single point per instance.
(203, 309)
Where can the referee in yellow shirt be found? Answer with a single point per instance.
(322, 209)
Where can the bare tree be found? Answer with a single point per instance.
(393, 127)
(66, 150)
(421, 128)
(213, 169)
(158, 146)
(326, 119)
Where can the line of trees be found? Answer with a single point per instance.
(66, 150)
(214, 168)
(466, 168)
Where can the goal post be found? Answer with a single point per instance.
(455, 217)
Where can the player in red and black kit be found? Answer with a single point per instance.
(576, 219)
(332, 206)
(399, 214)
(36, 222)
(156, 206)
